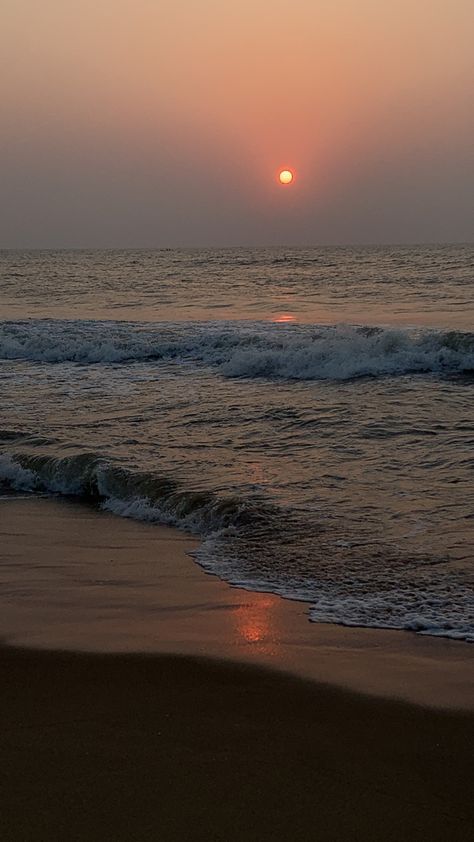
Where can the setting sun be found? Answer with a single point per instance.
(285, 177)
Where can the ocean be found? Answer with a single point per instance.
(307, 412)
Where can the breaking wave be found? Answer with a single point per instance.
(128, 493)
(252, 350)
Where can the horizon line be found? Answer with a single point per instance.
(198, 247)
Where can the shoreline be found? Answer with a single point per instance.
(82, 580)
(238, 719)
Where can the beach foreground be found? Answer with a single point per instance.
(112, 747)
(148, 739)
(78, 579)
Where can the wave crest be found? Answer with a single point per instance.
(296, 353)
(132, 494)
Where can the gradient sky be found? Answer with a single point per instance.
(164, 122)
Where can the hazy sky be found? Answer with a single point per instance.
(164, 122)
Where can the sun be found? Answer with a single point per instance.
(285, 177)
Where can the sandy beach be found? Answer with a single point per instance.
(177, 748)
(199, 711)
(77, 579)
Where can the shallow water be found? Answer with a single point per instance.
(308, 412)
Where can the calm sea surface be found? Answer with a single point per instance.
(308, 412)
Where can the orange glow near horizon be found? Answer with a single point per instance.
(284, 318)
(286, 176)
(187, 140)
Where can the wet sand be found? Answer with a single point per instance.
(73, 578)
(171, 745)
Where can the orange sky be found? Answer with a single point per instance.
(151, 122)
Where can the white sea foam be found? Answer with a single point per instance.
(14, 476)
(299, 352)
(444, 610)
(410, 609)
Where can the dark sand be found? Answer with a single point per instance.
(127, 746)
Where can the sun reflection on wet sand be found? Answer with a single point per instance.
(256, 623)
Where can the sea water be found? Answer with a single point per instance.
(307, 412)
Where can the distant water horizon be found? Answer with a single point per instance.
(306, 411)
(239, 247)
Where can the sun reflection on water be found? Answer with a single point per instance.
(283, 318)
